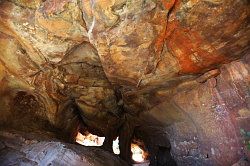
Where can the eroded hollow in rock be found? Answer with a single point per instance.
(138, 148)
(170, 78)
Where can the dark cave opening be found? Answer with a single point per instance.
(139, 152)
(143, 152)
(154, 140)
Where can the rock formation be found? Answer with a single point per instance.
(174, 73)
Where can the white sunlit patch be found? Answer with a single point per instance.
(116, 149)
(93, 140)
(138, 154)
(89, 139)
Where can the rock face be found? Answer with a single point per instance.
(214, 119)
(119, 67)
(19, 149)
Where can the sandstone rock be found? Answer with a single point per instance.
(49, 151)
(113, 65)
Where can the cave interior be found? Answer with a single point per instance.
(125, 82)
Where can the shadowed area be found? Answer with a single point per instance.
(147, 82)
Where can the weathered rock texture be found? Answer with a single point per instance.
(117, 67)
(214, 116)
(17, 148)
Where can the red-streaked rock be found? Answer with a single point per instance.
(192, 46)
(107, 62)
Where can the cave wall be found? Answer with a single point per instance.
(207, 124)
(19, 148)
(217, 119)
(182, 65)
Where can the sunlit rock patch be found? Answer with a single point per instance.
(138, 154)
(89, 139)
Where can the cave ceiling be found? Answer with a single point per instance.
(182, 65)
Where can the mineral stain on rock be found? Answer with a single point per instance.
(170, 77)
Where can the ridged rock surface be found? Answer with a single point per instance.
(181, 66)
(17, 148)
